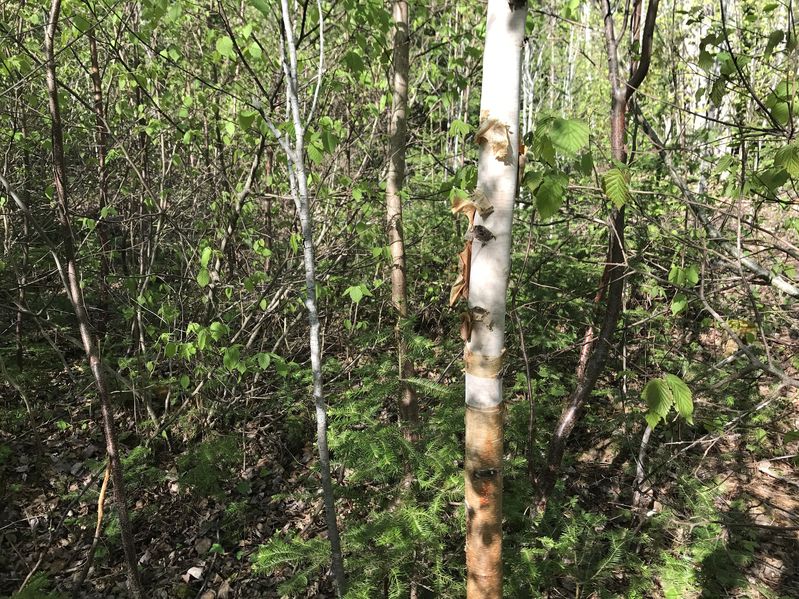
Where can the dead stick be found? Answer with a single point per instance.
(90, 558)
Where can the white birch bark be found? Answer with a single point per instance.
(497, 180)
(498, 136)
(299, 191)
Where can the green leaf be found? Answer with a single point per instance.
(81, 23)
(203, 277)
(262, 7)
(676, 275)
(658, 397)
(652, 419)
(587, 164)
(185, 381)
(683, 399)
(231, 358)
(692, 275)
(217, 330)
(569, 135)
(315, 149)
(458, 127)
(357, 292)
(774, 38)
(264, 359)
(549, 195)
(678, 304)
(718, 91)
(205, 256)
(224, 45)
(170, 350)
(781, 112)
(791, 436)
(788, 158)
(614, 184)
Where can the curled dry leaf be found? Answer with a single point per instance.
(464, 206)
(497, 134)
(461, 287)
(466, 326)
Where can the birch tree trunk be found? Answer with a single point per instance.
(498, 136)
(299, 191)
(398, 126)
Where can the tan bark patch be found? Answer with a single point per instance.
(487, 367)
(497, 134)
(483, 465)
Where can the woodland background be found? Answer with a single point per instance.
(192, 269)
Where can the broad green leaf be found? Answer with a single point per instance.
(264, 359)
(218, 330)
(185, 381)
(357, 292)
(788, 158)
(652, 419)
(791, 436)
(677, 275)
(717, 91)
(262, 7)
(170, 349)
(774, 38)
(614, 184)
(658, 398)
(683, 400)
(315, 149)
(692, 275)
(231, 358)
(458, 127)
(781, 112)
(678, 304)
(549, 196)
(569, 135)
(205, 257)
(203, 277)
(202, 339)
(224, 45)
(80, 23)
(587, 164)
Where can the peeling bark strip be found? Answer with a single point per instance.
(484, 502)
(488, 269)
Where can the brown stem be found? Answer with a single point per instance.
(84, 573)
(72, 275)
(408, 404)
(102, 181)
(595, 350)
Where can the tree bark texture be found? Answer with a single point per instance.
(595, 349)
(299, 188)
(498, 136)
(72, 278)
(398, 127)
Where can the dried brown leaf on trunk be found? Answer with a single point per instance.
(461, 287)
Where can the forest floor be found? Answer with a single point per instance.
(729, 516)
